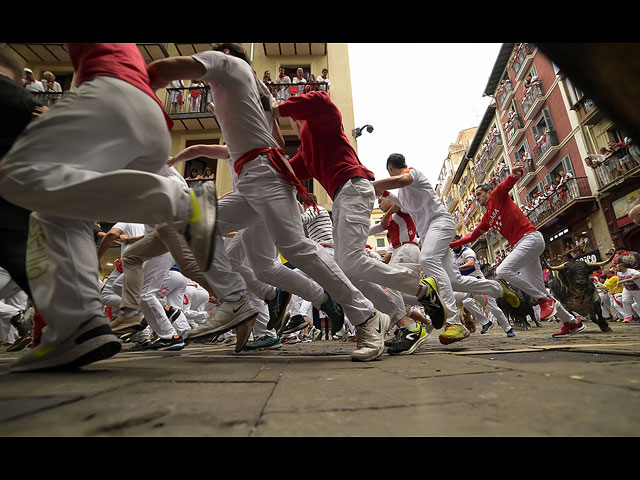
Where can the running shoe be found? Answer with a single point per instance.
(225, 317)
(548, 307)
(335, 314)
(371, 334)
(264, 343)
(199, 231)
(121, 324)
(389, 342)
(315, 334)
(511, 333)
(453, 333)
(91, 342)
(243, 332)
(173, 343)
(296, 323)
(511, 298)
(277, 308)
(569, 329)
(408, 341)
(487, 326)
(432, 303)
(628, 319)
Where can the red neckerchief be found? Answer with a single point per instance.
(276, 157)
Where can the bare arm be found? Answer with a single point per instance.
(195, 151)
(162, 72)
(111, 236)
(391, 183)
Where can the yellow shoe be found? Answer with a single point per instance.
(453, 333)
(511, 298)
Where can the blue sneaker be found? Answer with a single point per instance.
(335, 314)
(487, 326)
(264, 343)
(511, 333)
(277, 308)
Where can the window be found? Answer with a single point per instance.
(564, 165)
(380, 242)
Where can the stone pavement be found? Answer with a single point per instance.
(486, 385)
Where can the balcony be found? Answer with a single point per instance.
(529, 171)
(514, 129)
(47, 98)
(504, 95)
(544, 149)
(532, 100)
(522, 58)
(560, 199)
(619, 165)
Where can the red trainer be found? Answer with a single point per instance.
(548, 307)
(569, 329)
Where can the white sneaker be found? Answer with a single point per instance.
(371, 336)
(225, 317)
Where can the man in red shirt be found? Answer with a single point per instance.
(521, 268)
(93, 156)
(327, 155)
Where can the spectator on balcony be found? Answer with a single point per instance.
(30, 83)
(592, 160)
(634, 214)
(208, 174)
(311, 86)
(282, 92)
(298, 80)
(49, 83)
(194, 174)
(175, 96)
(324, 81)
(195, 94)
(266, 78)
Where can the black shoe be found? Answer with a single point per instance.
(432, 303)
(391, 341)
(277, 308)
(408, 341)
(173, 343)
(295, 324)
(335, 314)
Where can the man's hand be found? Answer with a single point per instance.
(518, 170)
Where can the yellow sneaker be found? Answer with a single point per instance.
(511, 298)
(453, 333)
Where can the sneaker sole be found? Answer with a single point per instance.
(278, 321)
(243, 332)
(224, 329)
(93, 350)
(450, 340)
(413, 348)
(438, 316)
(581, 328)
(202, 243)
(283, 323)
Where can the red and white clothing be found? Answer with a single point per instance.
(402, 236)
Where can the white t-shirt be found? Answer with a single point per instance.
(461, 259)
(629, 284)
(421, 202)
(237, 94)
(130, 230)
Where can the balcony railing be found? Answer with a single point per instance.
(544, 143)
(533, 93)
(615, 166)
(282, 91)
(503, 95)
(47, 98)
(512, 126)
(554, 201)
(187, 100)
(520, 56)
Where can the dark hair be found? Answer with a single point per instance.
(485, 187)
(235, 49)
(397, 160)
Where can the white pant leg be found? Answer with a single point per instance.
(155, 270)
(616, 303)
(522, 269)
(605, 302)
(94, 156)
(471, 305)
(7, 286)
(263, 259)
(260, 325)
(497, 312)
(436, 257)
(62, 268)
(262, 195)
(628, 299)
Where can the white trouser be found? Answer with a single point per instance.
(262, 195)
(10, 306)
(154, 271)
(351, 217)
(94, 155)
(605, 303)
(91, 156)
(300, 306)
(260, 325)
(195, 310)
(8, 287)
(262, 257)
(522, 269)
(111, 292)
(616, 303)
(171, 293)
(629, 297)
